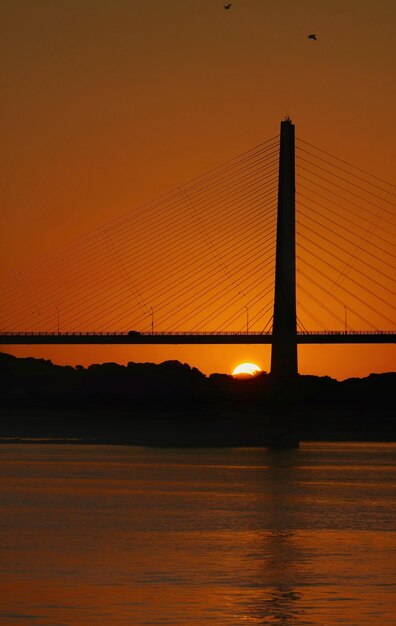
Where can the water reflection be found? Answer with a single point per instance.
(279, 608)
(276, 600)
(112, 535)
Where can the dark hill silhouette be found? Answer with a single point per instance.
(171, 400)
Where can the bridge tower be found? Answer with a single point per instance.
(284, 331)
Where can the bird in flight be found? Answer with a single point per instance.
(227, 6)
(314, 37)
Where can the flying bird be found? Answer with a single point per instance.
(227, 6)
(312, 37)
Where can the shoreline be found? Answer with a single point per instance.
(217, 427)
(99, 442)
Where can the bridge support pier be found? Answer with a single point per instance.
(284, 332)
(284, 367)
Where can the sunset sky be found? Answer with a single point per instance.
(108, 106)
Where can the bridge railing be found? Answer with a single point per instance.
(126, 334)
(183, 333)
(346, 332)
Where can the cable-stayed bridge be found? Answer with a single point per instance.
(284, 244)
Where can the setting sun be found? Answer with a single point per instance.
(246, 369)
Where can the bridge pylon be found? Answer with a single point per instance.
(284, 331)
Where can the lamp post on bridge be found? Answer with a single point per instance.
(247, 319)
(57, 315)
(152, 320)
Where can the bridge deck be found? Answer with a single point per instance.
(192, 338)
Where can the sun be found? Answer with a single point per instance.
(246, 369)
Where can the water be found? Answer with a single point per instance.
(111, 535)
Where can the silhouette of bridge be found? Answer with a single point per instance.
(222, 249)
(174, 338)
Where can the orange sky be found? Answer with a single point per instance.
(106, 106)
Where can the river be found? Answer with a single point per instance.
(116, 535)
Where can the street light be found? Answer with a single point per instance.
(152, 320)
(345, 319)
(247, 319)
(57, 312)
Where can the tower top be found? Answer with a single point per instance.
(288, 120)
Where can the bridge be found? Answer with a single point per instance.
(267, 241)
(179, 338)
